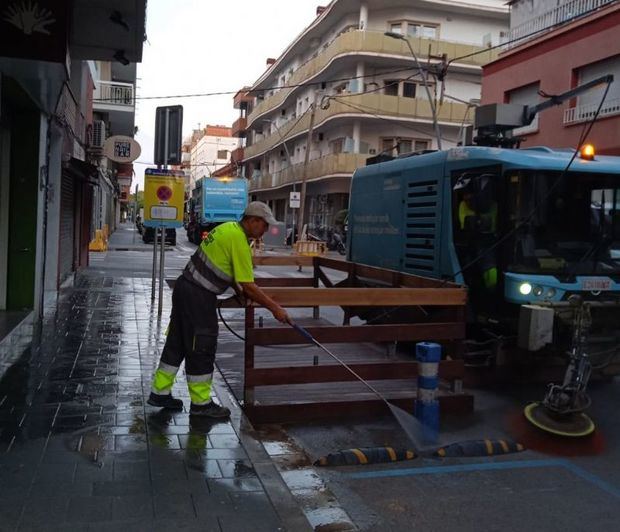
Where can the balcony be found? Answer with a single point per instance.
(330, 165)
(239, 127)
(582, 113)
(363, 105)
(565, 12)
(236, 156)
(242, 99)
(113, 96)
(370, 43)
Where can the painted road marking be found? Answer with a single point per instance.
(493, 466)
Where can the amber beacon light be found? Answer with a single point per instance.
(587, 152)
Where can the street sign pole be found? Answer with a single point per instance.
(154, 266)
(162, 257)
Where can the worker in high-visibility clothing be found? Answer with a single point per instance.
(223, 259)
(485, 225)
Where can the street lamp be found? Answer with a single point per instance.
(431, 101)
(290, 165)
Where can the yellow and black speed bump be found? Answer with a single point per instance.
(479, 448)
(363, 456)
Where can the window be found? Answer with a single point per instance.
(409, 89)
(527, 95)
(336, 145)
(589, 101)
(390, 87)
(425, 30)
(397, 145)
(421, 145)
(222, 154)
(395, 87)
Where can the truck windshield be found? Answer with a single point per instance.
(575, 228)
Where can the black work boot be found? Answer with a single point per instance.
(211, 410)
(165, 401)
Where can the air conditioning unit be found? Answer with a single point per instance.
(98, 134)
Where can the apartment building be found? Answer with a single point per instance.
(48, 176)
(363, 93)
(114, 110)
(554, 47)
(210, 150)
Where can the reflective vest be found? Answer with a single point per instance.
(222, 258)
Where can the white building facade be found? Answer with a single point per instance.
(368, 96)
(210, 150)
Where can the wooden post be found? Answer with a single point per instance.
(350, 284)
(316, 314)
(248, 391)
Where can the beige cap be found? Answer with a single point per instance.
(260, 210)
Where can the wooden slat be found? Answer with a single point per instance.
(284, 281)
(448, 370)
(304, 412)
(367, 297)
(359, 333)
(323, 278)
(384, 275)
(282, 260)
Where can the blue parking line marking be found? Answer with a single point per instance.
(493, 466)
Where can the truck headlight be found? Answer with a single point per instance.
(525, 289)
(538, 291)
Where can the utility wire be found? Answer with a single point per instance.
(372, 111)
(278, 87)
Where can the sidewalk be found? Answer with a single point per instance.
(81, 450)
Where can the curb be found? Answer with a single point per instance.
(285, 505)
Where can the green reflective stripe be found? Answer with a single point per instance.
(199, 392)
(207, 377)
(464, 211)
(489, 277)
(162, 382)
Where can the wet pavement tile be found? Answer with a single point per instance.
(89, 509)
(81, 450)
(39, 511)
(174, 506)
(132, 507)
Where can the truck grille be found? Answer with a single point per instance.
(423, 208)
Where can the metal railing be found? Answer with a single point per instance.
(587, 112)
(562, 13)
(370, 43)
(114, 93)
(334, 164)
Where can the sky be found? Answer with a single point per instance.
(199, 46)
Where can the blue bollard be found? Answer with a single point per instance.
(428, 356)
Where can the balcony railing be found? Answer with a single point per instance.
(371, 43)
(236, 156)
(113, 93)
(587, 112)
(239, 126)
(562, 13)
(340, 163)
(363, 105)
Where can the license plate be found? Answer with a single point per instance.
(596, 285)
